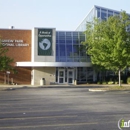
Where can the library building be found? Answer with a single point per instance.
(44, 56)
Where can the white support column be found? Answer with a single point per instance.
(32, 76)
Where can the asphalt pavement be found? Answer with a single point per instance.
(62, 109)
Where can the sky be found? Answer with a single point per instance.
(59, 14)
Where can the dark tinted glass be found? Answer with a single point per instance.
(62, 50)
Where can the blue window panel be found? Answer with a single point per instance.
(61, 34)
(57, 37)
(76, 50)
(116, 13)
(69, 50)
(61, 41)
(110, 14)
(103, 15)
(57, 50)
(97, 8)
(62, 50)
(69, 41)
(62, 59)
(68, 33)
(62, 37)
(98, 13)
(83, 50)
(103, 10)
(82, 37)
(57, 59)
(69, 59)
(57, 41)
(75, 38)
(68, 37)
(57, 33)
(75, 33)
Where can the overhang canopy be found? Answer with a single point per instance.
(53, 64)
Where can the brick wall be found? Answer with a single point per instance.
(18, 53)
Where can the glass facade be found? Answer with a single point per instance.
(87, 73)
(88, 18)
(69, 47)
(97, 12)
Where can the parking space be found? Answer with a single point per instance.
(62, 109)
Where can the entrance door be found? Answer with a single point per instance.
(66, 76)
(61, 76)
(70, 76)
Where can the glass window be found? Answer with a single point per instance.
(110, 13)
(70, 59)
(57, 39)
(65, 74)
(116, 13)
(98, 13)
(69, 50)
(76, 50)
(69, 37)
(61, 33)
(68, 33)
(62, 50)
(57, 49)
(62, 59)
(61, 37)
(82, 73)
(57, 58)
(97, 8)
(82, 50)
(103, 16)
(57, 33)
(82, 37)
(75, 38)
(56, 74)
(103, 10)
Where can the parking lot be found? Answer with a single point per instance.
(62, 109)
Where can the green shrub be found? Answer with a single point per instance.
(128, 80)
(98, 82)
(116, 82)
(104, 82)
(110, 82)
(121, 81)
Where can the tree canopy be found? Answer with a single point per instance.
(5, 61)
(108, 42)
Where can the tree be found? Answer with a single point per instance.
(5, 61)
(108, 42)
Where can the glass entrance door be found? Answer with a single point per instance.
(66, 76)
(70, 76)
(61, 76)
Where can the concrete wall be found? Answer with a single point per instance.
(43, 72)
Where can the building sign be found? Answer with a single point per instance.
(11, 43)
(45, 42)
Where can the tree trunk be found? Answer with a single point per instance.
(119, 74)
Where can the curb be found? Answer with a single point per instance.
(96, 90)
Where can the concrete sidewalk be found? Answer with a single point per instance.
(91, 87)
(4, 87)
